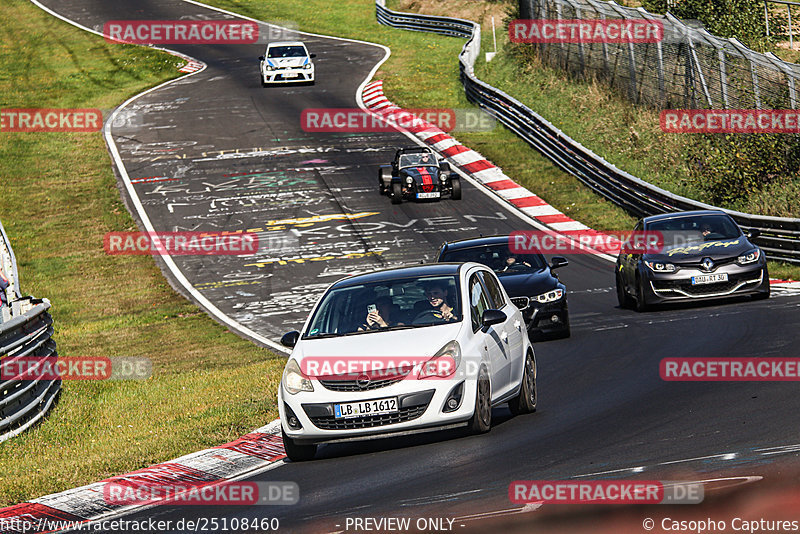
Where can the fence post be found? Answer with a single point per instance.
(632, 91)
(660, 59)
(746, 54)
(580, 40)
(723, 77)
(781, 65)
(700, 73)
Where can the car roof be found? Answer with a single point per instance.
(286, 43)
(680, 214)
(397, 273)
(477, 241)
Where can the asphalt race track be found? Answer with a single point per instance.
(216, 151)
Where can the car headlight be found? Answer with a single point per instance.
(409, 180)
(550, 296)
(270, 67)
(444, 363)
(660, 267)
(749, 257)
(294, 381)
(307, 66)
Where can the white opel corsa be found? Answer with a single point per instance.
(286, 61)
(405, 350)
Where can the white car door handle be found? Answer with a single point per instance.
(504, 336)
(517, 324)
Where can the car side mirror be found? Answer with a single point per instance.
(491, 317)
(753, 233)
(559, 261)
(289, 339)
(261, 58)
(312, 56)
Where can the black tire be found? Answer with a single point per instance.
(397, 193)
(624, 300)
(263, 83)
(481, 420)
(456, 186)
(295, 452)
(525, 402)
(641, 303)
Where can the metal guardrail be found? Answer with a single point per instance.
(780, 237)
(25, 336)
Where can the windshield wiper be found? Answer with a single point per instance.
(321, 336)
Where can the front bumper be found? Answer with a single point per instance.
(287, 75)
(421, 405)
(544, 319)
(677, 287)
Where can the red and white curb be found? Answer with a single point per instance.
(486, 173)
(253, 453)
(192, 66)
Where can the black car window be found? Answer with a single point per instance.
(702, 227)
(478, 301)
(498, 301)
(497, 258)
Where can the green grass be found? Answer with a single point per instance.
(59, 198)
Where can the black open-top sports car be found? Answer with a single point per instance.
(701, 255)
(417, 174)
(527, 278)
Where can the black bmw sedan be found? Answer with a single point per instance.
(527, 278)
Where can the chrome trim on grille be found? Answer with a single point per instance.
(521, 302)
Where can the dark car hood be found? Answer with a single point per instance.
(528, 284)
(716, 250)
(419, 174)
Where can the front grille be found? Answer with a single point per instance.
(352, 385)
(698, 264)
(368, 421)
(686, 286)
(521, 302)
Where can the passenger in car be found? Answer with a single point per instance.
(381, 317)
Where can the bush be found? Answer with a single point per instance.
(730, 168)
(743, 19)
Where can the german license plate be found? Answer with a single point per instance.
(360, 409)
(435, 194)
(709, 279)
(291, 75)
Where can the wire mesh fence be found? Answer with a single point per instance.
(689, 68)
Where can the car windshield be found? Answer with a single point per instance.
(498, 258)
(680, 230)
(387, 305)
(286, 51)
(417, 159)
